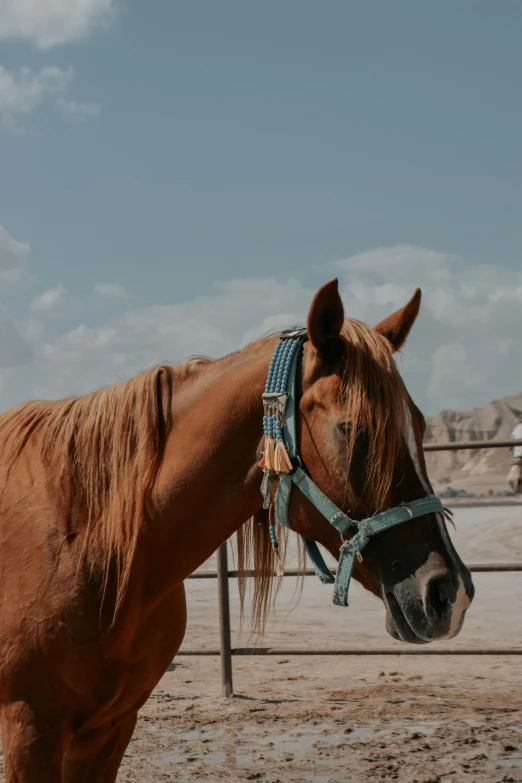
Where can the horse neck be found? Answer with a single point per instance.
(209, 483)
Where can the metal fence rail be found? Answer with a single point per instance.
(353, 651)
(472, 444)
(226, 650)
(478, 568)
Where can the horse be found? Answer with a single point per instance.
(111, 500)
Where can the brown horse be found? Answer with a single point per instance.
(109, 501)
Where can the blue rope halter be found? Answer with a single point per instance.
(279, 457)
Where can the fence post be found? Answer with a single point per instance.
(224, 620)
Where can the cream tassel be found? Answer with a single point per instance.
(282, 462)
(269, 456)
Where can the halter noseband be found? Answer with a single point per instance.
(281, 461)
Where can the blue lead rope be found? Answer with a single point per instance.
(280, 423)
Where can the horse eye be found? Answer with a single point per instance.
(344, 428)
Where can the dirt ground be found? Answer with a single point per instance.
(333, 719)
(347, 719)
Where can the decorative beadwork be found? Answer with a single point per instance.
(274, 400)
(275, 456)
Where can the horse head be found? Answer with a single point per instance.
(360, 439)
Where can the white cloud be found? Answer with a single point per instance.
(15, 350)
(13, 258)
(47, 23)
(87, 357)
(55, 302)
(464, 350)
(400, 260)
(112, 290)
(78, 111)
(24, 91)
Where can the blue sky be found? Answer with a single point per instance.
(164, 147)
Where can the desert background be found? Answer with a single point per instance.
(473, 474)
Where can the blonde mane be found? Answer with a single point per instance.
(105, 448)
(376, 403)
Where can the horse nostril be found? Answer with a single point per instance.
(439, 596)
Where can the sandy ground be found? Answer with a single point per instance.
(351, 719)
(334, 719)
(347, 719)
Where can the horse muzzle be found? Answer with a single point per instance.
(429, 605)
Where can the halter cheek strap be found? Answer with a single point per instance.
(280, 427)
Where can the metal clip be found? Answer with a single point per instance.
(277, 401)
(296, 333)
(267, 483)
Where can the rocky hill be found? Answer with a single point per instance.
(481, 472)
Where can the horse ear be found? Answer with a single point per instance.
(326, 318)
(396, 327)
